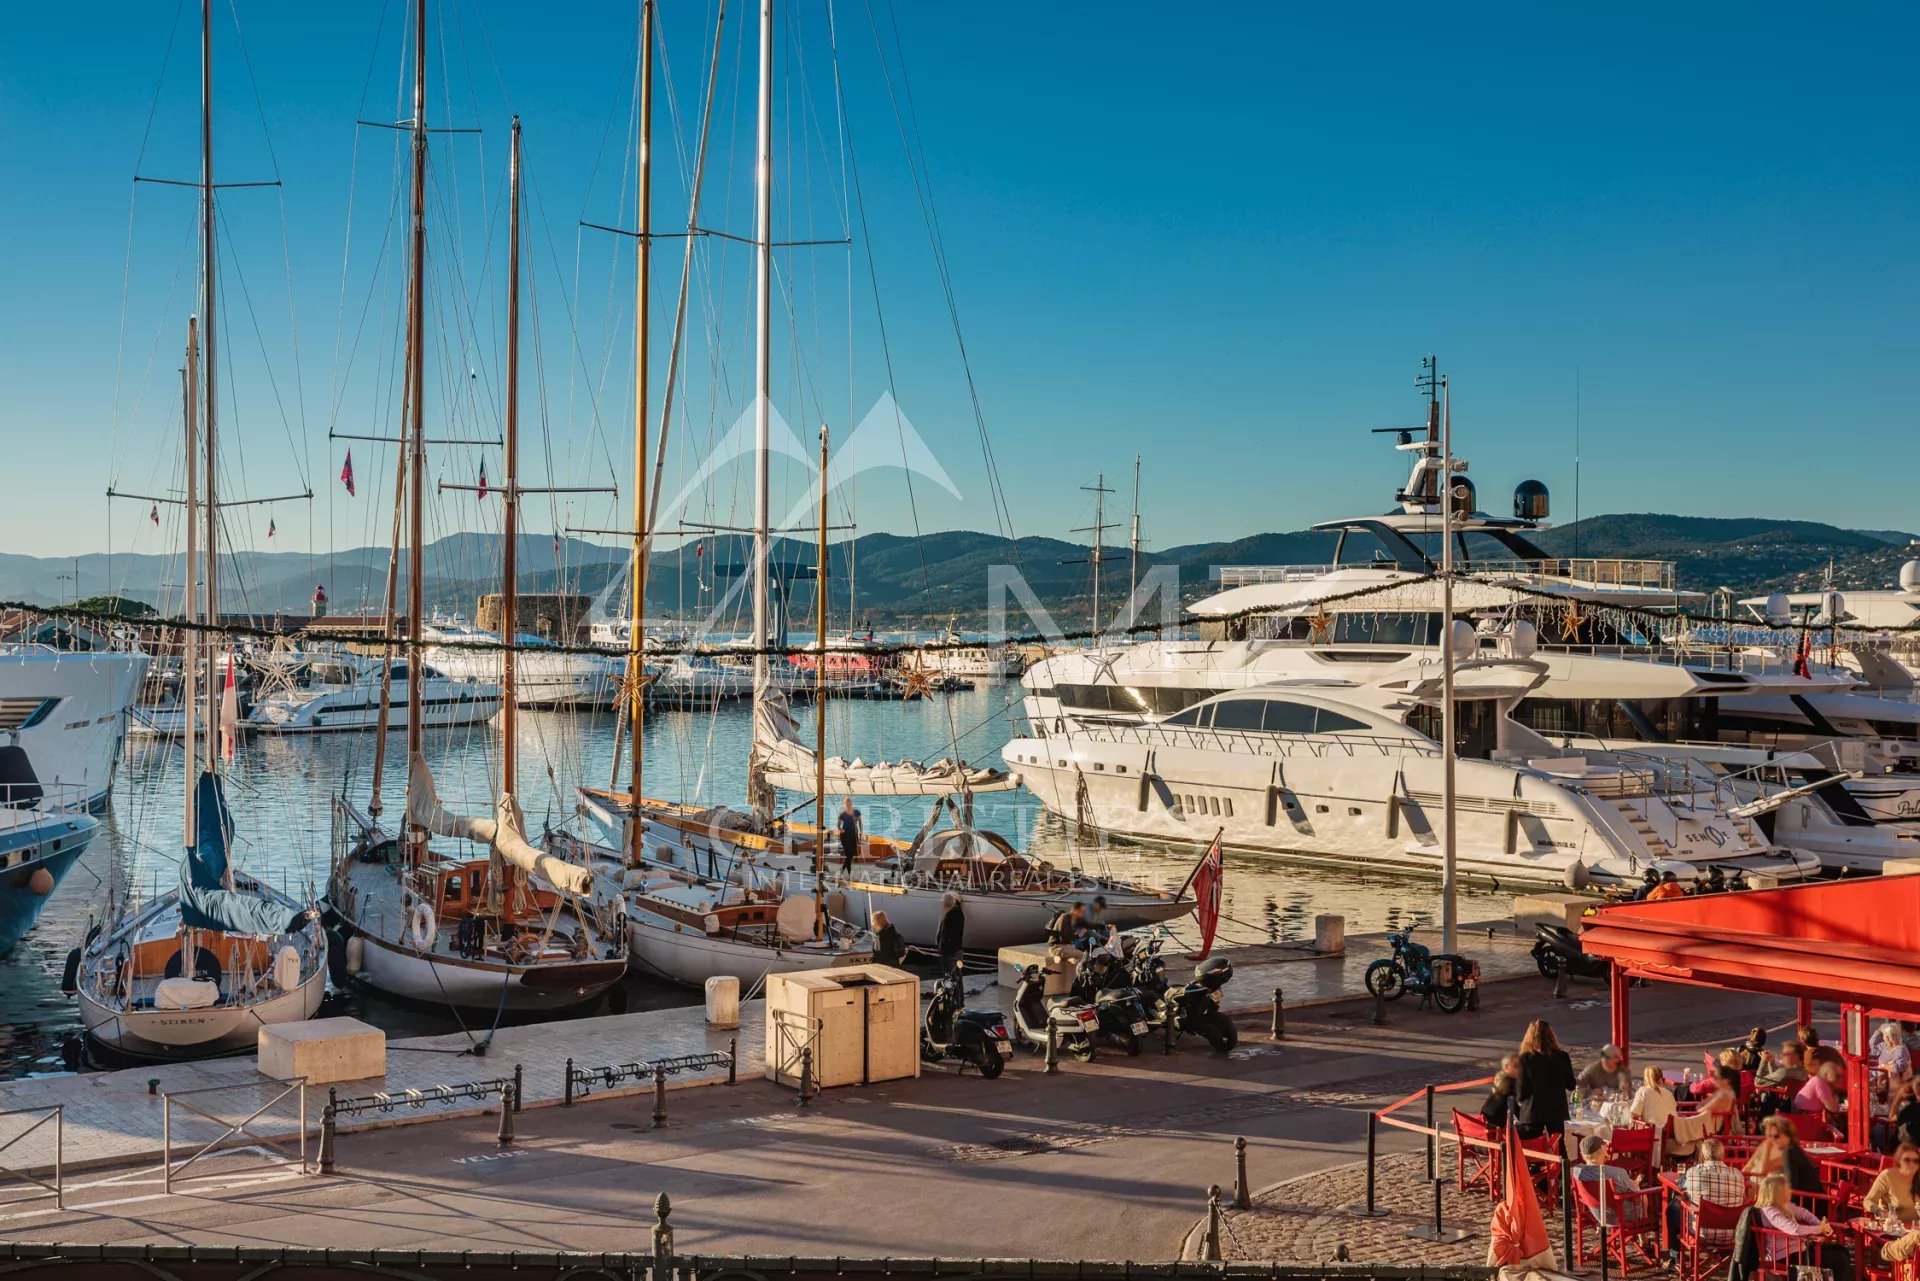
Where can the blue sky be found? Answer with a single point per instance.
(1221, 240)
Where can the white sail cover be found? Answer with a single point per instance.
(505, 835)
(785, 762)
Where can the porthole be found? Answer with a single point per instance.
(1321, 809)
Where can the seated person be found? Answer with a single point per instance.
(1653, 1103)
(1726, 1058)
(1897, 1188)
(1780, 1153)
(1711, 1179)
(1779, 1213)
(1753, 1050)
(1497, 1110)
(1596, 1169)
(1607, 1073)
(1891, 1053)
(1786, 1068)
(1669, 887)
(1723, 1104)
(1822, 1092)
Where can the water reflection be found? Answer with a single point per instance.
(280, 789)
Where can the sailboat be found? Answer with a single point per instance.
(1008, 898)
(509, 929)
(199, 969)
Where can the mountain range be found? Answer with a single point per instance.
(903, 580)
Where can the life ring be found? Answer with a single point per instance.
(424, 927)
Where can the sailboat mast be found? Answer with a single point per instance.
(190, 639)
(209, 375)
(1133, 537)
(510, 523)
(416, 368)
(763, 358)
(642, 341)
(1449, 906)
(820, 706)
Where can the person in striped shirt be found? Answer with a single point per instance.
(1712, 1179)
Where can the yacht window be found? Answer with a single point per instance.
(1227, 806)
(1287, 718)
(1320, 809)
(1098, 766)
(1192, 716)
(1334, 723)
(1354, 810)
(1238, 713)
(399, 672)
(1119, 769)
(1213, 805)
(454, 887)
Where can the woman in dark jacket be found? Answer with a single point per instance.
(951, 932)
(1497, 1110)
(888, 947)
(1544, 1078)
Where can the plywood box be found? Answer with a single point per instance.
(862, 1023)
(323, 1050)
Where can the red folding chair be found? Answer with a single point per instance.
(1792, 1251)
(1477, 1167)
(1812, 1127)
(1635, 1224)
(1739, 1147)
(1543, 1164)
(1632, 1148)
(1848, 1177)
(1705, 1242)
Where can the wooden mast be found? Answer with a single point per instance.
(637, 571)
(510, 524)
(416, 371)
(820, 706)
(190, 639)
(209, 378)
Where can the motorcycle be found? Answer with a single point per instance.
(1073, 1021)
(1120, 1017)
(951, 1031)
(1555, 947)
(1413, 968)
(1193, 1007)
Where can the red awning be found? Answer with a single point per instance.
(1850, 940)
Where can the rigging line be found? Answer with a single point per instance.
(153, 106)
(246, 297)
(246, 61)
(923, 188)
(120, 346)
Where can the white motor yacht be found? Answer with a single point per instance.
(69, 708)
(544, 675)
(343, 694)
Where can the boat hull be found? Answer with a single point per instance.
(195, 1034)
(994, 921)
(75, 743)
(412, 975)
(691, 958)
(52, 846)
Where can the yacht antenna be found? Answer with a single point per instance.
(1098, 529)
(1449, 908)
(1433, 383)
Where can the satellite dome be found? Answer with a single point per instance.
(1466, 499)
(1779, 612)
(1530, 501)
(1910, 577)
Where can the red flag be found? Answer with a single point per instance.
(272, 529)
(483, 478)
(229, 713)
(154, 515)
(1802, 661)
(346, 474)
(1518, 1232)
(1206, 882)
(699, 548)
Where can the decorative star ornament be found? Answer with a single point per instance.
(1319, 625)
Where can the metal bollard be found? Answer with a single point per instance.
(1053, 1046)
(806, 1073)
(1601, 1187)
(1368, 1209)
(1433, 1141)
(659, 1097)
(1379, 1010)
(662, 1237)
(733, 1058)
(1279, 1015)
(1560, 983)
(1242, 1195)
(1211, 1252)
(519, 1091)
(1566, 1210)
(566, 1093)
(505, 1136)
(1166, 1029)
(326, 1133)
(153, 1085)
(1439, 1227)
(1473, 984)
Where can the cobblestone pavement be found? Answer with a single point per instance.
(1307, 1220)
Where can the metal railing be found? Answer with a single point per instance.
(170, 1174)
(581, 1081)
(1602, 571)
(1250, 742)
(57, 1186)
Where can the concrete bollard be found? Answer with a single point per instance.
(806, 1073)
(1053, 1046)
(566, 1093)
(327, 1132)
(1211, 1251)
(505, 1136)
(1242, 1194)
(1279, 1015)
(659, 1097)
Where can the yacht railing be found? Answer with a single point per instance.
(1251, 743)
(1591, 570)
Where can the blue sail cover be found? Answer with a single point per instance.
(205, 901)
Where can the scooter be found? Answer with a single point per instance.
(1120, 1016)
(951, 1031)
(1074, 1022)
(1555, 947)
(1193, 1007)
(1414, 968)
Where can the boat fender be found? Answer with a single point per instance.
(424, 926)
(1576, 877)
(356, 954)
(286, 968)
(70, 976)
(41, 882)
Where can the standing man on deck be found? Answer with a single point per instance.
(850, 835)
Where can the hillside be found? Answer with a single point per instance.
(907, 581)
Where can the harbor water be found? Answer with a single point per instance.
(281, 790)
